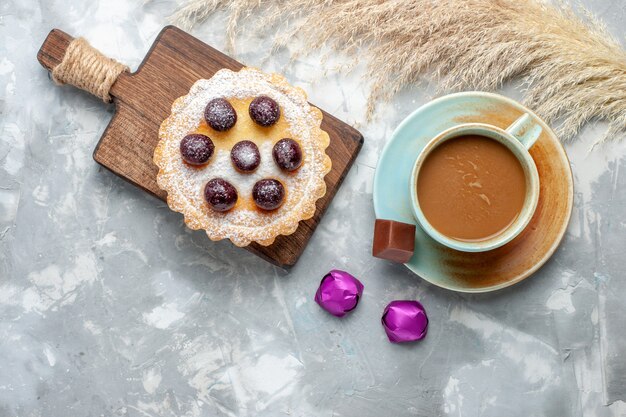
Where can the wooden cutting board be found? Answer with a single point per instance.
(143, 100)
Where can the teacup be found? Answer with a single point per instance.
(517, 139)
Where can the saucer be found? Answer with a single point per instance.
(483, 271)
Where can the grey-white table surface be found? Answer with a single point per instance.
(109, 306)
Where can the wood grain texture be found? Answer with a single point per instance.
(53, 49)
(143, 100)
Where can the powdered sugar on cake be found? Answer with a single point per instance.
(244, 223)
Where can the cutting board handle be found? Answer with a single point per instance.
(73, 61)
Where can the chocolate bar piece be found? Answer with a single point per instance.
(394, 241)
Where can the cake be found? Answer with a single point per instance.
(243, 157)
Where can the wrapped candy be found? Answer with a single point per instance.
(339, 292)
(405, 321)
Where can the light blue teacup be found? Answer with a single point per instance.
(518, 138)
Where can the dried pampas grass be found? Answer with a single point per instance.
(573, 70)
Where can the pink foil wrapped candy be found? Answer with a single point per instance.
(339, 292)
(405, 321)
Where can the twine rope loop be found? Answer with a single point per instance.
(87, 68)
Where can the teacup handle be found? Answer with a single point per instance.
(526, 130)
